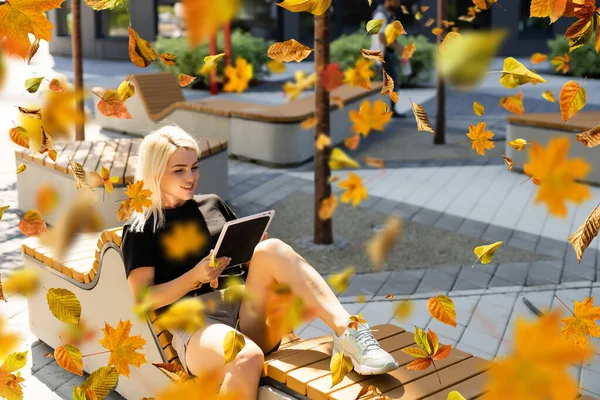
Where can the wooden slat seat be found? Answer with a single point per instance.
(119, 156)
(582, 121)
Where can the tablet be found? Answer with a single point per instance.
(240, 236)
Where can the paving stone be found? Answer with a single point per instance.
(551, 247)
(590, 380)
(378, 312)
(506, 301)
(37, 356)
(480, 340)
(574, 272)
(420, 317)
(472, 228)
(544, 272)
(516, 273)
(495, 233)
(370, 202)
(588, 258)
(406, 211)
(65, 391)
(365, 284)
(453, 333)
(449, 222)
(472, 278)
(311, 332)
(402, 282)
(464, 346)
(446, 340)
(384, 206)
(52, 375)
(523, 240)
(437, 280)
(490, 319)
(426, 217)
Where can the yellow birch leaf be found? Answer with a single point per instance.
(233, 343)
(64, 305)
(339, 366)
(126, 90)
(572, 99)
(374, 26)
(339, 160)
(478, 108)
(69, 358)
(33, 84)
(455, 395)
(515, 74)
(275, 66)
(486, 252)
(339, 281)
(2, 209)
(442, 308)
(403, 309)
(548, 95)
(537, 58)
(315, 7)
(323, 141)
(392, 31)
(102, 381)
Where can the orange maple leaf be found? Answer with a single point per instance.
(514, 103)
(123, 347)
(480, 138)
(361, 74)
(556, 175)
(582, 323)
(20, 17)
(355, 190)
(238, 76)
(139, 197)
(332, 77)
(536, 368)
(375, 116)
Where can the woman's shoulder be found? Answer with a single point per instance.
(205, 198)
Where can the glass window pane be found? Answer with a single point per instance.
(114, 22)
(64, 22)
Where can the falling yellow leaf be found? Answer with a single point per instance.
(409, 50)
(8, 340)
(582, 323)
(508, 161)
(372, 54)
(513, 103)
(515, 74)
(392, 31)
(572, 99)
(276, 67)
(548, 8)
(518, 144)
(126, 90)
(361, 74)
(327, 207)
(355, 191)
(69, 358)
(557, 175)
(186, 314)
(308, 123)
(339, 366)
(484, 4)
(374, 26)
(47, 198)
(290, 50)
(323, 141)
(480, 138)
(421, 117)
(339, 160)
(478, 108)
(233, 343)
(2, 209)
(562, 62)
(19, 135)
(340, 280)
(437, 31)
(294, 89)
(382, 242)
(441, 307)
(352, 142)
(238, 77)
(548, 95)
(537, 58)
(25, 281)
(316, 7)
(370, 116)
(374, 162)
(182, 240)
(10, 384)
(486, 252)
(403, 309)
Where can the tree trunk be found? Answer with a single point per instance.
(77, 67)
(440, 118)
(323, 233)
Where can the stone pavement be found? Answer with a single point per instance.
(467, 195)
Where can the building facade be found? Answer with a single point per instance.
(104, 33)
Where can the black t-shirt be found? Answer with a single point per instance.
(147, 249)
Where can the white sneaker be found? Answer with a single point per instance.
(368, 358)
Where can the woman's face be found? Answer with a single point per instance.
(180, 179)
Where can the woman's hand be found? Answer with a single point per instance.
(203, 272)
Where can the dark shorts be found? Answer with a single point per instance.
(224, 313)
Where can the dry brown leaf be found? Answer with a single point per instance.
(113, 106)
(141, 52)
(374, 162)
(421, 117)
(31, 112)
(35, 46)
(372, 54)
(583, 236)
(167, 58)
(290, 50)
(352, 142)
(185, 80)
(508, 161)
(323, 141)
(32, 223)
(337, 100)
(590, 138)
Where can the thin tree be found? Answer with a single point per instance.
(77, 66)
(323, 233)
(440, 118)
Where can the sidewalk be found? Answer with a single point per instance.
(447, 189)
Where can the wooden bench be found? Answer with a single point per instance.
(540, 127)
(94, 271)
(120, 157)
(268, 134)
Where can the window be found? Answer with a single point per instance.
(114, 23)
(64, 23)
(533, 27)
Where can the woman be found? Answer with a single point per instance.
(168, 165)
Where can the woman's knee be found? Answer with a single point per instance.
(205, 351)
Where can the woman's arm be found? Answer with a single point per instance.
(163, 294)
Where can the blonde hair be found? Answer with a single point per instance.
(154, 153)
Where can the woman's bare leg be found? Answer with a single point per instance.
(275, 261)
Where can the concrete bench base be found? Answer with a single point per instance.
(213, 179)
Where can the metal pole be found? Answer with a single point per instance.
(440, 118)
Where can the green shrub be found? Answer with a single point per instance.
(584, 60)
(346, 49)
(189, 60)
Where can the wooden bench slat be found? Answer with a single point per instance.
(400, 376)
(62, 162)
(108, 155)
(582, 121)
(120, 161)
(91, 162)
(278, 369)
(469, 389)
(22, 152)
(170, 353)
(81, 154)
(39, 252)
(85, 253)
(299, 379)
(30, 244)
(132, 162)
(449, 376)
